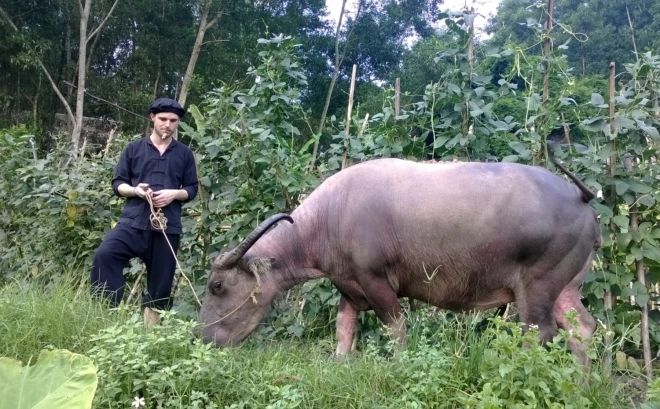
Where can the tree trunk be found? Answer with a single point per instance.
(67, 67)
(83, 64)
(82, 74)
(199, 41)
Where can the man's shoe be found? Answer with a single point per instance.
(151, 317)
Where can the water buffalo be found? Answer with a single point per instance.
(460, 236)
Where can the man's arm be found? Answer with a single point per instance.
(141, 190)
(121, 183)
(190, 183)
(126, 190)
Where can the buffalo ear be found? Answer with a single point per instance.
(260, 266)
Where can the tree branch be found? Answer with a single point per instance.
(632, 31)
(212, 22)
(4, 15)
(107, 16)
(214, 41)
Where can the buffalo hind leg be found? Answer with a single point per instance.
(568, 300)
(346, 319)
(535, 307)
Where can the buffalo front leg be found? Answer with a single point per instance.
(385, 303)
(346, 319)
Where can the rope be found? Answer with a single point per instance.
(256, 290)
(159, 223)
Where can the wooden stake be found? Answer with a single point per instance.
(547, 46)
(641, 277)
(397, 97)
(348, 117)
(607, 297)
(107, 144)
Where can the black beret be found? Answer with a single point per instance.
(166, 105)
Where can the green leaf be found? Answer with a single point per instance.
(621, 187)
(510, 158)
(519, 147)
(622, 221)
(59, 379)
(651, 252)
(200, 122)
(439, 142)
(597, 99)
(454, 88)
(642, 299)
(603, 210)
(639, 187)
(622, 240)
(627, 292)
(651, 131)
(594, 125)
(639, 288)
(296, 330)
(621, 122)
(647, 200)
(505, 369)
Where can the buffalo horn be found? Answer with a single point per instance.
(233, 256)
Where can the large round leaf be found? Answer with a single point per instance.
(59, 379)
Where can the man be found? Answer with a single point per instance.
(159, 168)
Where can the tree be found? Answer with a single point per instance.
(84, 38)
(596, 31)
(204, 25)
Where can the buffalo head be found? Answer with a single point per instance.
(236, 296)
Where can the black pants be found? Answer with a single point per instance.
(122, 244)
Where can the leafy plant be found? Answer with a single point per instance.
(518, 372)
(59, 379)
(162, 366)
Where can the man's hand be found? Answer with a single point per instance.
(142, 191)
(164, 197)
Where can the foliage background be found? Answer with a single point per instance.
(256, 108)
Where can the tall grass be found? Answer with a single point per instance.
(452, 361)
(34, 318)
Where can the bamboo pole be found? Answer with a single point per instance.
(347, 129)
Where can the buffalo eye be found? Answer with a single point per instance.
(215, 287)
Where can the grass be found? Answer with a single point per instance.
(451, 362)
(33, 319)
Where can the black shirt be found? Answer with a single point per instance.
(141, 162)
